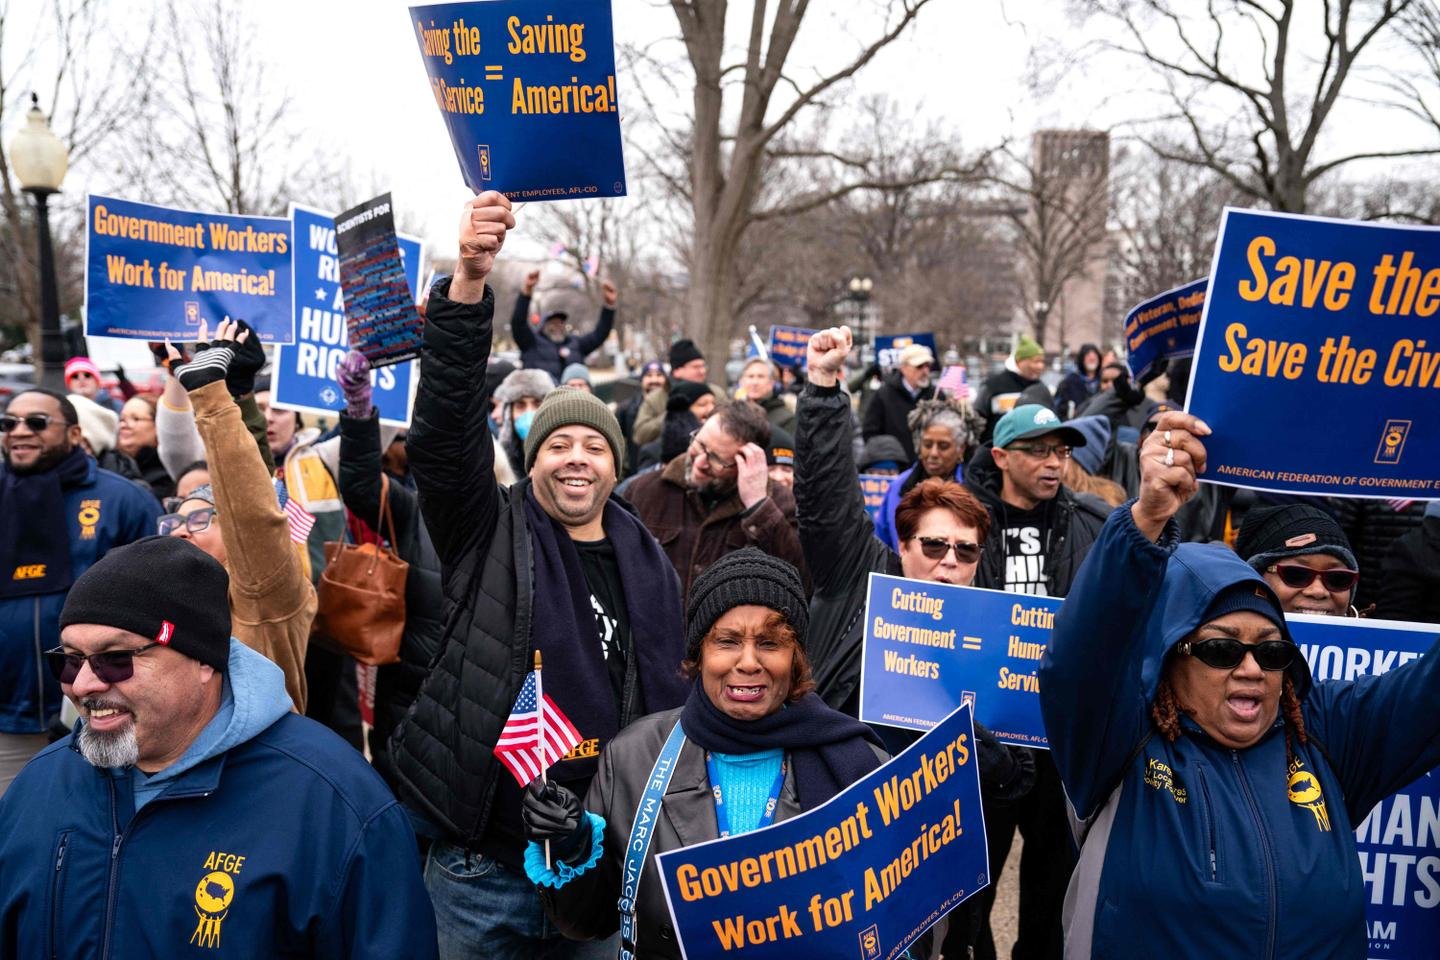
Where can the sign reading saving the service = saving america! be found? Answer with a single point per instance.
(862, 876)
(930, 647)
(1318, 364)
(153, 273)
(527, 92)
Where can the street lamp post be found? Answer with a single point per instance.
(40, 161)
(860, 288)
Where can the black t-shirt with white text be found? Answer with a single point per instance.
(1026, 537)
(607, 599)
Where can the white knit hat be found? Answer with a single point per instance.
(97, 425)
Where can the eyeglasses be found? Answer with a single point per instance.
(35, 422)
(194, 522)
(112, 666)
(1042, 451)
(1224, 653)
(1297, 576)
(715, 462)
(935, 548)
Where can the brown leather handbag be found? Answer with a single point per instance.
(360, 606)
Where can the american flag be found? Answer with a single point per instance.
(519, 742)
(301, 520)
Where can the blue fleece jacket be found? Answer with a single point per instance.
(269, 837)
(1191, 849)
(885, 519)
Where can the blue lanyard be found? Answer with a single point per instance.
(642, 831)
(722, 816)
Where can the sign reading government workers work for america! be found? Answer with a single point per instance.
(1318, 360)
(527, 91)
(862, 876)
(153, 273)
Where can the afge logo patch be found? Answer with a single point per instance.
(214, 895)
(870, 943)
(1304, 791)
(1392, 441)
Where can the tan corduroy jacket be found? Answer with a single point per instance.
(272, 603)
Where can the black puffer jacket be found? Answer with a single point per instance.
(1075, 520)
(396, 684)
(1410, 585)
(889, 412)
(1372, 527)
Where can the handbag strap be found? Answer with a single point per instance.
(386, 517)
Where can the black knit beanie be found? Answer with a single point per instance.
(684, 393)
(163, 588)
(747, 576)
(1272, 533)
(682, 352)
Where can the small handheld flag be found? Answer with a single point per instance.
(534, 720)
(300, 519)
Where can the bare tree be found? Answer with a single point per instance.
(1252, 92)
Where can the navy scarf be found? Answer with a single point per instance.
(34, 530)
(563, 626)
(829, 750)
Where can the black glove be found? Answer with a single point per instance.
(120, 374)
(210, 363)
(553, 813)
(1006, 773)
(249, 359)
(1129, 394)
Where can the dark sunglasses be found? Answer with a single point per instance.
(935, 548)
(37, 422)
(112, 666)
(1225, 653)
(194, 522)
(1297, 576)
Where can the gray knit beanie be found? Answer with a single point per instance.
(746, 576)
(524, 383)
(565, 406)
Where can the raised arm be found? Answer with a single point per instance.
(591, 341)
(1092, 695)
(520, 317)
(450, 450)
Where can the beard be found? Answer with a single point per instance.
(716, 488)
(48, 458)
(117, 749)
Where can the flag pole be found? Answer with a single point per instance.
(540, 728)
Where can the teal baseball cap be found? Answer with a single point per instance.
(1033, 420)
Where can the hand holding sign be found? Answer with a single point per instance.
(482, 233)
(1170, 459)
(826, 355)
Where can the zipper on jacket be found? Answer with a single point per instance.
(1265, 850)
(55, 884)
(39, 671)
(1209, 823)
(114, 868)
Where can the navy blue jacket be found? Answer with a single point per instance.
(1191, 849)
(539, 353)
(120, 513)
(286, 844)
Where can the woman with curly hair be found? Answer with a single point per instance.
(943, 431)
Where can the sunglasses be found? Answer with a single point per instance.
(1297, 576)
(112, 666)
(1042, 451)
(193, 522)
(1224, 653)
(935, 548)
(36, 422)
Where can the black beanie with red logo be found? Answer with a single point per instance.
(165, 589)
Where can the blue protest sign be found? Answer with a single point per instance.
(303, 375)
(527, 92)
(1164, 327)
(788, 345)
(863, 875)
(1399, 842)
(153, 273)
(931, 646)
(887, 349)
(873, 487)
(1310, 317)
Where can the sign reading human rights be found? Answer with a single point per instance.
(1399, 841)
(153, 273)
(930, 647)
(887, 349)
(303, 375)
(527, 91)
(1164, 327)
(863, 876)
(788, 345)
(1317, 363)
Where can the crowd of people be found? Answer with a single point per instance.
(692, 562)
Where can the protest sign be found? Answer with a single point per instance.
(931, 646)
(379, 300)
(1164, 327)
(527, 92)
(1399, 842)
(788, 345)
(873, 487)
(887, 349)
(863, 875)
(1316, 363)
(153, 273)
(303, 375)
